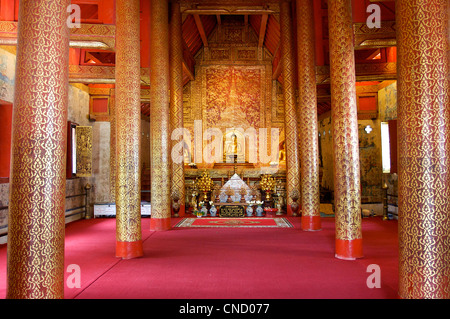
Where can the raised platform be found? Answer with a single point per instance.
(237, 166)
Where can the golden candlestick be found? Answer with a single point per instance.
(267, 184)
(205, 184)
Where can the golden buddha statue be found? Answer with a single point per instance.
(233, 149)
(282, 153)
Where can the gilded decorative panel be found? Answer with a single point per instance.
(84, 151)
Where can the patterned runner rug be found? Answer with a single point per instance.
(235, 222)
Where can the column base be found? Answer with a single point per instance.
(182, 211)
(160, 224)
(349, 249)
(129, 250)
(311, 223)
(291, 213)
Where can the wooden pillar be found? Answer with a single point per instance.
(291, 122)
(345, 131)
(39, 146)
(424, 149)
(128, 130)
(309, 140)
(176, 99)
(160, 115)
(112, 147)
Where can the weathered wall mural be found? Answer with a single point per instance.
(234, 96)
(370, 160)
(387, 102)
(7, 74)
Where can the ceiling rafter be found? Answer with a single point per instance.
(201, 29)
(262, 31)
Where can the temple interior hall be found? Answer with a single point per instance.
(232, 149)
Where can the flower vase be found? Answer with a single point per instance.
(259, 211)
(249, 211)
(213, 211)
(204, 210)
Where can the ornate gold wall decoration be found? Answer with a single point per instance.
(128, 130)
(423, 124)
(220, 54)
(366, 37)
(290, 103)
(38, 180)
(246, 54)
(309, 143)
(84, 151)
(94, 33)
(345, 132)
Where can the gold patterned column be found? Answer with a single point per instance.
(309, 141)
(424, 149)
(291, 123)
(176, 98)
(347, 192)
(160, 115)
(35, 267)
(128, 130)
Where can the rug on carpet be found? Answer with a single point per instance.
(235, 222)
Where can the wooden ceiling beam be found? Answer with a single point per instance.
(201, 29)
(262, 30)
(277, 72)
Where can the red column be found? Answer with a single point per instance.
(38, 172)
(290, 104)
(309, 140)
(128, 130)
(424, 149)
(160, 115)
(347, 190)
(176, 98)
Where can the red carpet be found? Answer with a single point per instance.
(234, 222)
(231, 263)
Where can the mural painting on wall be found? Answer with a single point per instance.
(369, 154)
(234, 96)
(7, 75)
(4, 198)
(387, 102)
